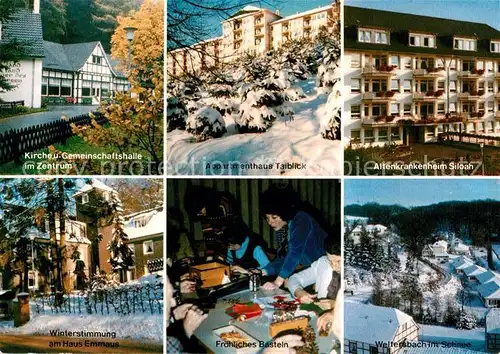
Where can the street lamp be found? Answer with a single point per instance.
(129, 31)
(482, 157)
(32, 236)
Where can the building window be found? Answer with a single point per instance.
(141, 222)
(495, 47)
(395, 60)
(490, 106)
(66, 87)
(355, 60)
(96, 59)
(407, 109)
(441, 85)
(85, 198)
(86, 84)
(440, 108)
(373, 350)
(407, 85)
(373, 36)
(355, 85)
(395, 108)
(148, 247)
(355, 111)
(54, 88)
(395, 85)
(464, 44)
(355, 135)
(368, 135)
(353, 347)
(406, 62)
(394, 133)
(382, 135)
(32, 280)
(490, 86)
(422, 40)
(45, 83)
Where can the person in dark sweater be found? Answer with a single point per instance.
(305, 235)
(245, 249)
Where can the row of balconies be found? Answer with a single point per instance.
(430, 119)
(390, 70)
(430, 95)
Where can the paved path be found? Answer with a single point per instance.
(54, 113)
(42, 344)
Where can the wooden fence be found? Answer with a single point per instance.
(15, 142)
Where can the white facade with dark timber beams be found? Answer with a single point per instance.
(408, 78)
(80, 73)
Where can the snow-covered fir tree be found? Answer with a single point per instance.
(120, 255)
(466, 320)
(329, 62)
(206, 123)
(330, 121)
(176, 113)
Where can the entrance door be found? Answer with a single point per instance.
(96, 95)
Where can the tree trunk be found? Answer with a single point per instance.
(53, 235)
(66, 286)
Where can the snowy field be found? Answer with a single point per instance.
(296, 141)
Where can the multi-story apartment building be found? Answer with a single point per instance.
(409, 78)
(250, 30)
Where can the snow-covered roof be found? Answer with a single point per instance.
(461, 247)
(70, 237)
(95, 184)
(493, 321)
(370, 228)
(474, 270)
(462, 262)
(371, 324)
(155, 221)
(440, 243)
(486, 277)
(301, 14)
(441, 254)
(490, 290)
(417, 349)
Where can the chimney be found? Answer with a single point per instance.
(278, 12)
(36, 6)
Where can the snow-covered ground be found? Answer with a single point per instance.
(296, 141)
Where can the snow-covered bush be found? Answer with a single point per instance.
(206, 123)
(330, 121)
(176, 114)
(295, 93)
(466, 320)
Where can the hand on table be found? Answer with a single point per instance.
(304, 297)
(286, 344)
(325, 321)
(272, 285)
(187, 286)
(193, 319)
(238, 269)
(180, 312)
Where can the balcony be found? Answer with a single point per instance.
(470, 96)
(497, 115)
(285, 29)
(259, 33)
(381, 96)
(378, 71)
(428, 96)
(430, 73)
(497, 75)
(472, 116)
(470, 74)
(380, 121)
(497, 96)
(307, 24)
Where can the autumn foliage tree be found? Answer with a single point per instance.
(136, 118)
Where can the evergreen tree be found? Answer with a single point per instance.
(11, 50)
(466, 320)
(54, 20)
(378, 292)
(121, 256)
(330, 49)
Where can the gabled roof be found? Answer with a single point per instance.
(245, 11)
(493, 321)
(474, 270)
(441, 243)
(400, 24)
(96, 184)
(486, 277)
(363, 319)
(462, 262)
(156, 219)
(490, 290)
(25, 27)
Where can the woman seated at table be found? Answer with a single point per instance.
(245, 249)
(305, 235)
(324, 273)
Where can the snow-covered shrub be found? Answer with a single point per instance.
(295, 93)
(466, 320)
(206, 123)
(176, 114)
(330, 121)
(220, 91)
